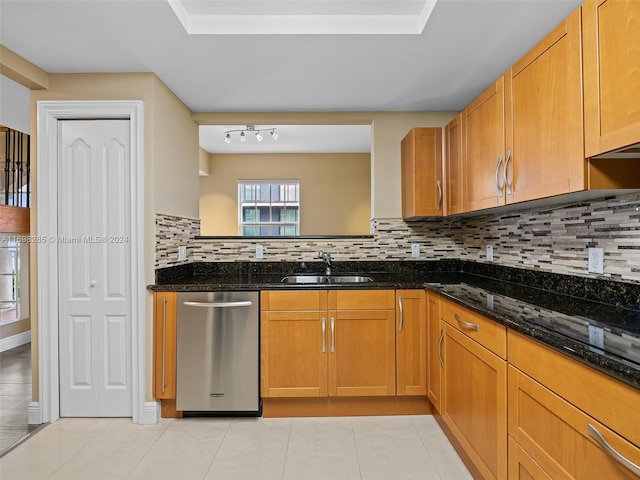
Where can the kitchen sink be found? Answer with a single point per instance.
(319, 279)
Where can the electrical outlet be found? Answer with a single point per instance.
(259, 251)
(596, 260)
(596, 336)
(182, 253)
(415, 250)
(489, 301)
(489, 253)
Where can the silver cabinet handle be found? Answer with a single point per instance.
(472, 326)
(597, 436)
(401, 314)
(324, 336)
(164, 341)
(498, 186)
(504, 173)
(219, 304)
(439, 184)
(333, 334)
(440, 348)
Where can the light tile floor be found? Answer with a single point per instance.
(15, 394)
(349, 448)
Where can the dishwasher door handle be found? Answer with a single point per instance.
(246, 303)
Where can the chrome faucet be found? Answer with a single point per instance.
(326, 258)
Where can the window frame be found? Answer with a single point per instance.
(242, 204)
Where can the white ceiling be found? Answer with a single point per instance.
(465, 45)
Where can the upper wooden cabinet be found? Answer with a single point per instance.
(454, 177)
(484, 149)
(611, 50)
(422, 182)
(544, 133)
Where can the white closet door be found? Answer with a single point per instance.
(94, 264)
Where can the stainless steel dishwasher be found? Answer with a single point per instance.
(217, 357)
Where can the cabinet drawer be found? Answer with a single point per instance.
(312, 300)
(558, 436)
(486, 332)
(607, 400)
(362, 299)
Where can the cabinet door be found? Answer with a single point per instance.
(294, 353)
(454, 166)
(435, 337)
(164, 355)
(484, 145)
(544, 143)
(556, 434)
(611, 74)
(362, 359)
(411, 342)
(474, 402)
(421, 167)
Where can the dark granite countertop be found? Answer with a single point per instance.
(594, 321)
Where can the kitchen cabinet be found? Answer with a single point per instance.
(474, 396)
(454, 167)
(435, 336)
(556, 434)
(611, 74)
(293, 343)
(543, 118)
(411, 342)
(522, 466)
(589, 396)
(421, 171)
(335, 343)
(484, 149)
(165, 345)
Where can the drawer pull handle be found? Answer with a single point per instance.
(440, 348)
(597, 436)
(333, 335)
(401, 326)
(471, 326)
(324, 336)
(498, 186)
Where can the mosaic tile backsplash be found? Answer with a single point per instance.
(553, 239)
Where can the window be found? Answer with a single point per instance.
(269, 208)
(9, 281)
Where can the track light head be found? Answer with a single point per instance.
(258, 136)
(274, 135)
(242, 137)
(227, 138)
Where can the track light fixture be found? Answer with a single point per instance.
(251, 128)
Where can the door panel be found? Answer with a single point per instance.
(94, 268)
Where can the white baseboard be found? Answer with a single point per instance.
(34, 415)
(15, 341)
(151, 413)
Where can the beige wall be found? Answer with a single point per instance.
(388, 130)
(170, 167)
(334, 190)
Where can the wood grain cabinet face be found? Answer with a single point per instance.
(421, 168)
(484, 149)
(555, 434)
(454, 173)
(164, 352)
(544, 128)
(411, 342)
(435, 338)
(611, 49)
(336, 343)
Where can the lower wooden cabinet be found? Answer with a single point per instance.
(435, 337)
(345, 348)
(474, 401)
(411, 342)
(560, 438)
(164, 352)
(522, 466)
